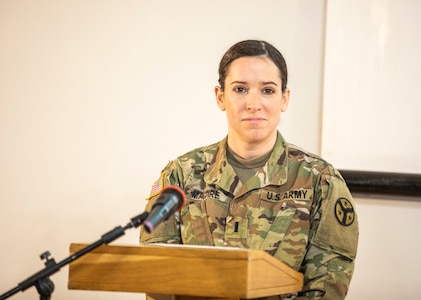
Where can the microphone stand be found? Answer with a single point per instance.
(41, 279)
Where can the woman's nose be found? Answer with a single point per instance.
(253, 101)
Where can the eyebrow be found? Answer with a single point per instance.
(245, 82)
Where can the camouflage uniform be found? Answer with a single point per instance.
(297, 208)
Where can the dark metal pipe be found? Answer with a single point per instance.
(383, 183)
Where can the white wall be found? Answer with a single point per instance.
(96, 96)
(372, 84)
(371, 122)
(388, 261)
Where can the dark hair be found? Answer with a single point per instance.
(252, 48)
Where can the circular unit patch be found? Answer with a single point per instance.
(344, 212)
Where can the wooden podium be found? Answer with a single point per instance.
(182, 272)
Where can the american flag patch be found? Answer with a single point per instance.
(157, 186)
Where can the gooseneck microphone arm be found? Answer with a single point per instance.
(41, 279)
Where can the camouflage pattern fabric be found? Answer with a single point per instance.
(297, 208)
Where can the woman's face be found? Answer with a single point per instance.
(252, 99)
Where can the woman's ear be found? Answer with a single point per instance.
(219, 95)
(285, 100)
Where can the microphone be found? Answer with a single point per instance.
(172, 198)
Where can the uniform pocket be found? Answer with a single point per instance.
(278, 229)
(194, 224)
(286, 237)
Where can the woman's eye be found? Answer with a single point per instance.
(240, 89)
(268, 91)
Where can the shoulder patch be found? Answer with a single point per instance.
(338, 228)
(157, 186)
(344, 212)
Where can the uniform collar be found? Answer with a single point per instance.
(274, 172)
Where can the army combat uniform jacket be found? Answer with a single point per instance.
(297, 208)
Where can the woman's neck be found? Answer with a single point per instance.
(247, 150)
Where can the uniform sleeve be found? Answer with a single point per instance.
(329, 262)
(169, 230)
